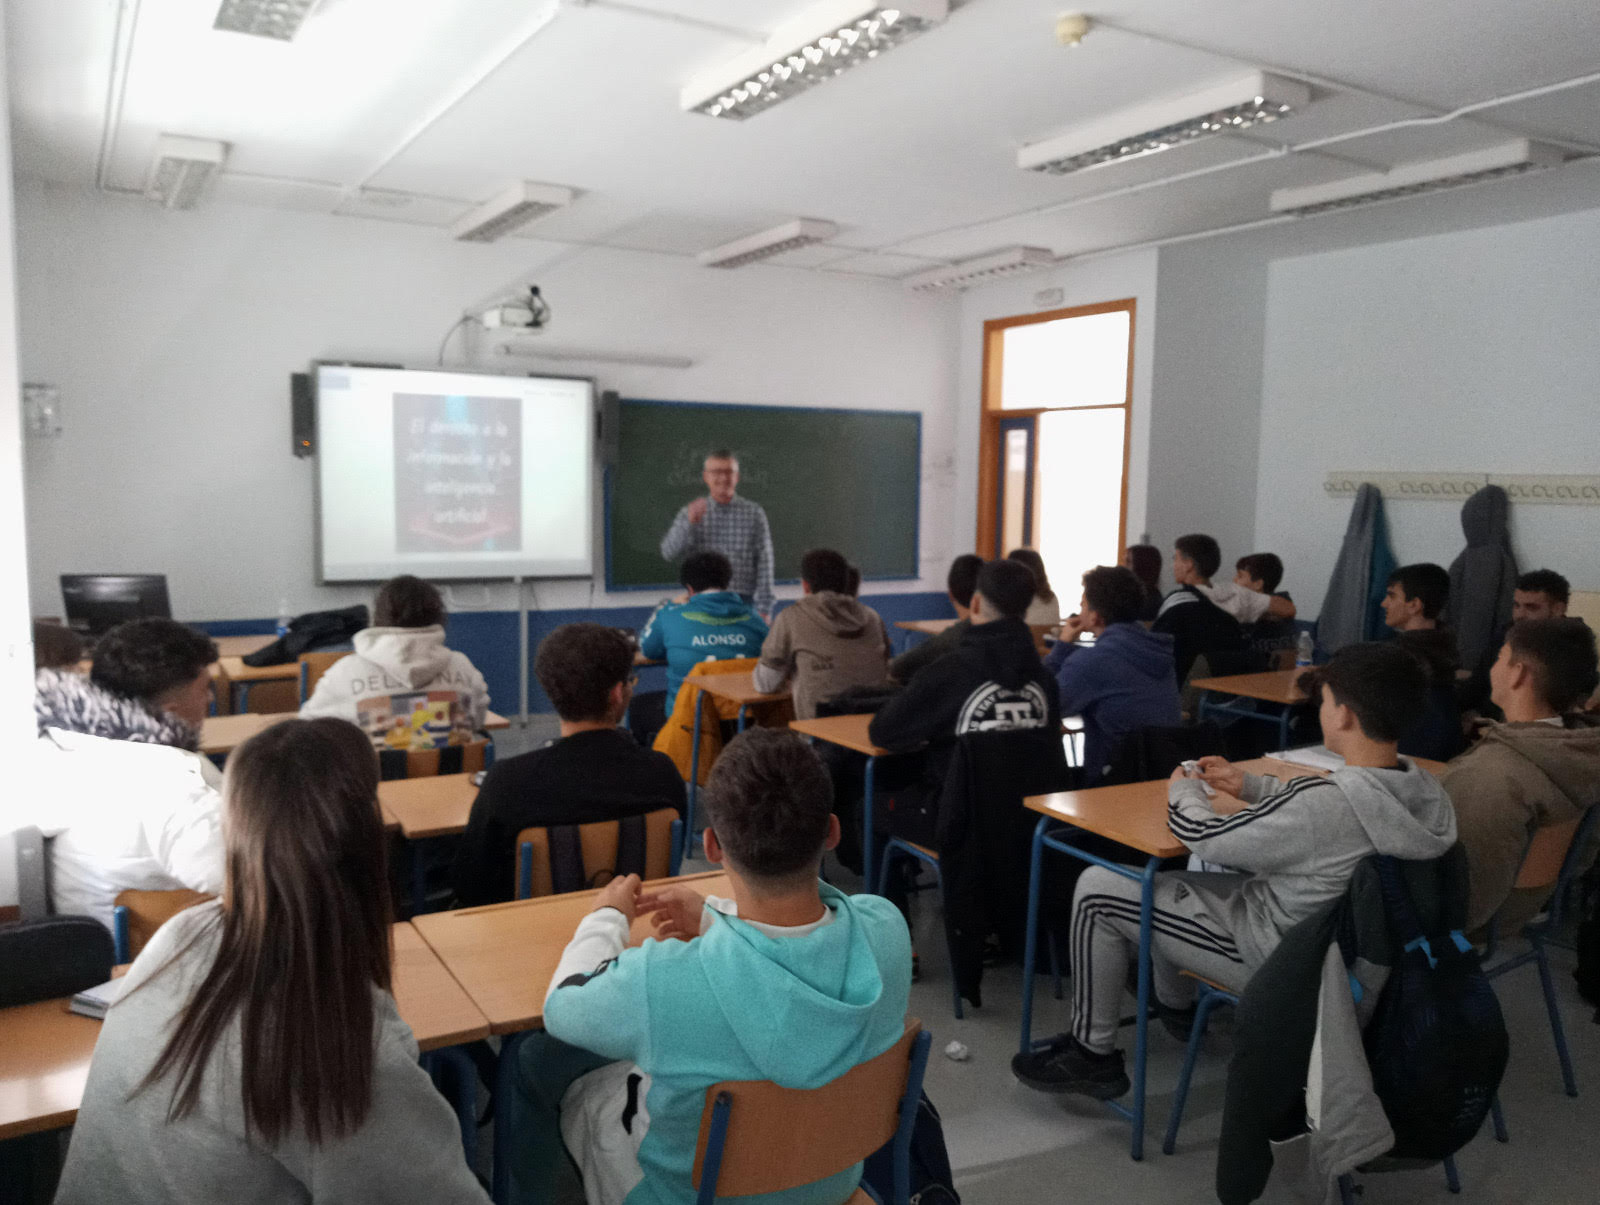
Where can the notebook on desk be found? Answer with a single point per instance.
(1317, 757)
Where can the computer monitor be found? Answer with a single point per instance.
(98, 602)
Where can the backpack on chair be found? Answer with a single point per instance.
(932, 1182)
(1437, 1043)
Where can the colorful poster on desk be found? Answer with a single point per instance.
(457, 473)
(428, 719)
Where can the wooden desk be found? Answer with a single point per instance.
(738, 688)
(493, 722)
(225, 733)
(429, 807)
(241, 646)
(927, 627)
(505, 954)
(45, 1050)
(1274, 686)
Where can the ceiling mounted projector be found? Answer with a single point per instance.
(182, 168)
(1514, 158)
(1226, 107)
(511, 210)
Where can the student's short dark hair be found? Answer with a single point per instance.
(1384, 684)
(1560, 653)
(962, 579)
(1009, 585)
(408, 602)
(579, 664)
(768, 800)
(55, 646)
(1115, 593)
(1264, 567)
(824, 569)
(1546, 581)
(145, 658)
(1424, 580)
(1203, 550)
(708, 570)
(853, 584)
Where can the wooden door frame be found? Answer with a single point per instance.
(991, 415)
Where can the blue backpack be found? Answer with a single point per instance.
(1437, 1043)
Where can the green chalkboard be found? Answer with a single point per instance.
(844, 479)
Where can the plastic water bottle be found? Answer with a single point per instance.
(284, 617)
(1304, 650)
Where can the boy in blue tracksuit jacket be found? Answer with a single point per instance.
(1122, 683)
(789, 981)
(715, 624)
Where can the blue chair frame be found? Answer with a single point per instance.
(119, 934)
(910, 1099)
(525, 861)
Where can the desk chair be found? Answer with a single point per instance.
(312, 667)
(1550, 862)
(428, 763)
(574, 857)
(756, 1137)
(1209, 995)
(138, 914)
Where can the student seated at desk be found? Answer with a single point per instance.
(1124, 681)
(1196, 624)
(1540, 767)
(791, 980)
(827, 642)
(1539, 594)
(1412, 604)
(711, 624)
(595, 771)
(399, 666)
(255, 1053)
(118, 778)
(961, 581)
(1295, 845)
(1045, 608)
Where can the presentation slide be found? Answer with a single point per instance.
(453, 475)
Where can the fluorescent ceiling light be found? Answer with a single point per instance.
(1512, 158)
(1234, 104)
(278, 19)
(516, 207)
(1010, 262)
(788, 237)
(182, 168)
(822, 42)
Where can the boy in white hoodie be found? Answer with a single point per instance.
(402, 653)
(1295, 843)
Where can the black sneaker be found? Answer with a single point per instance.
(1067, 1065)
(1179, 1022)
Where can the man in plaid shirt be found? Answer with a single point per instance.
(734, 526)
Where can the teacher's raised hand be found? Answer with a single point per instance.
(697, 510)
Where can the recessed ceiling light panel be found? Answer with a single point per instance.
(1232, 105)
(791, 236)
(826, 40)
(1010, 262)
(276, 19)
(1514, 158)
(516, 207)
(182, 168)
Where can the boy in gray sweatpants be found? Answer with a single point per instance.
(1295, 843)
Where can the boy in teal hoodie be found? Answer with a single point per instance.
(712, 624)
(790, 981)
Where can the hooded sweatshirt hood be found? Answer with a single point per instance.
(1484, 516)
(415, 656)
(1568, 756)
(1143, 654)
(1007, 649)
(69, 701)
(716, 605)
(1406, 813)
(805, 1007)
(838, 614)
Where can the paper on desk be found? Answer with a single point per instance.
(96, 1001)
(1317, 757)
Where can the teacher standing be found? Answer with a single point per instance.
(733, 526)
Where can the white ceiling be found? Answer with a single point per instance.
(414, 111)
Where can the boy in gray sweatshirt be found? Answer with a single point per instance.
(1294, 846)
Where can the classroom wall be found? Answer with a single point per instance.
(1111, 278)
(1470, 351)
(172, 336)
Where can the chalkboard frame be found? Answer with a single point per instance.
(610, 469)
